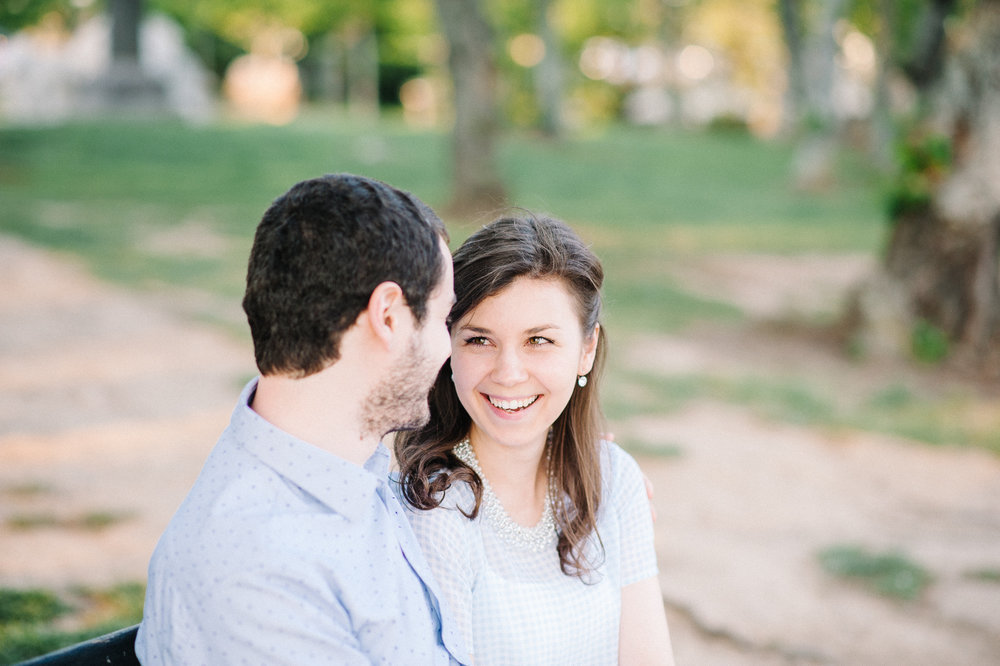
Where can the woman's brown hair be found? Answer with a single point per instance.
(486, 263)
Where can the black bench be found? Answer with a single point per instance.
(116, 648)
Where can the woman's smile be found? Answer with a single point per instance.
(511, 405)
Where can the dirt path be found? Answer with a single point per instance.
(109, 404)
(108, 407)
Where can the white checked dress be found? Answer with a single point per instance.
(515, 606)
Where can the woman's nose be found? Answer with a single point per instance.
(509, 368)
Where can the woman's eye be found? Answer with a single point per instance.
(538, 340)
(476, 340)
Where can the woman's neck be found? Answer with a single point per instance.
(519, 477)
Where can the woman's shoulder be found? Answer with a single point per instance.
(621, 476)
(616, 461)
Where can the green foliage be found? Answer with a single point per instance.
(31, 620)
(889, 574)
(238, 21)
(924, 161)
(928, 343)
(18, 14)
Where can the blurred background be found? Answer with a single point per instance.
(798, 207)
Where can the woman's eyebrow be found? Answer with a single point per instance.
(474, 329)
(534, 330)
(543, 327)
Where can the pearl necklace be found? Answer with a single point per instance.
(535, 539)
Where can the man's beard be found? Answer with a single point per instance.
(399, 402)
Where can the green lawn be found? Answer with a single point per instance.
(167, 204)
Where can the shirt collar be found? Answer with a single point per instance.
(337, 483)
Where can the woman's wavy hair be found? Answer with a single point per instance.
(486, 263)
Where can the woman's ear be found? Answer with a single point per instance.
(589, 351)
(385, 312)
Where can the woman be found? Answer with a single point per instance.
(539, 533)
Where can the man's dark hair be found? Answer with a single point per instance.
(318, 254)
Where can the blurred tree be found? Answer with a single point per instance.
(126, 16)
(125, 87)
(747, 34)
(549, 73)
(808, 29)
(941, 263)
(18, 14)
(337, 42)
(348, 51)
(909, 39)
(476, 181)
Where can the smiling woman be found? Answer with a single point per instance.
(515, 359)
(538, 531)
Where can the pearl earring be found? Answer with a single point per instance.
(581, 381)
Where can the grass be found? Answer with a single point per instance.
(90, 521)
(34, 621)
(26, 489)
(167, 206)
(892, 409)
(889, 574)
(692, 191)
(100, 190)
(990, 575)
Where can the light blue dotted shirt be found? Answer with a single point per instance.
(283, 553)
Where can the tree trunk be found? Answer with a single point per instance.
(125, 89)
(795, 95)
(126, 16)
(549, 75)
(882, 139)
(476, 182)
(949, 271)
(329, 79)
(361, 72)
(968, 202)
(812, 53)
(923, 64)
(944, 255)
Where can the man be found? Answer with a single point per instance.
(291, 547)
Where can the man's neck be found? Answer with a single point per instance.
(317, 409)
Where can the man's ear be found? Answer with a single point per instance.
(589, 351)
(386, 311)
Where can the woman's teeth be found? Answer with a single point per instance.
(512, 405)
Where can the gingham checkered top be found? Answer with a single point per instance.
(517, 607)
